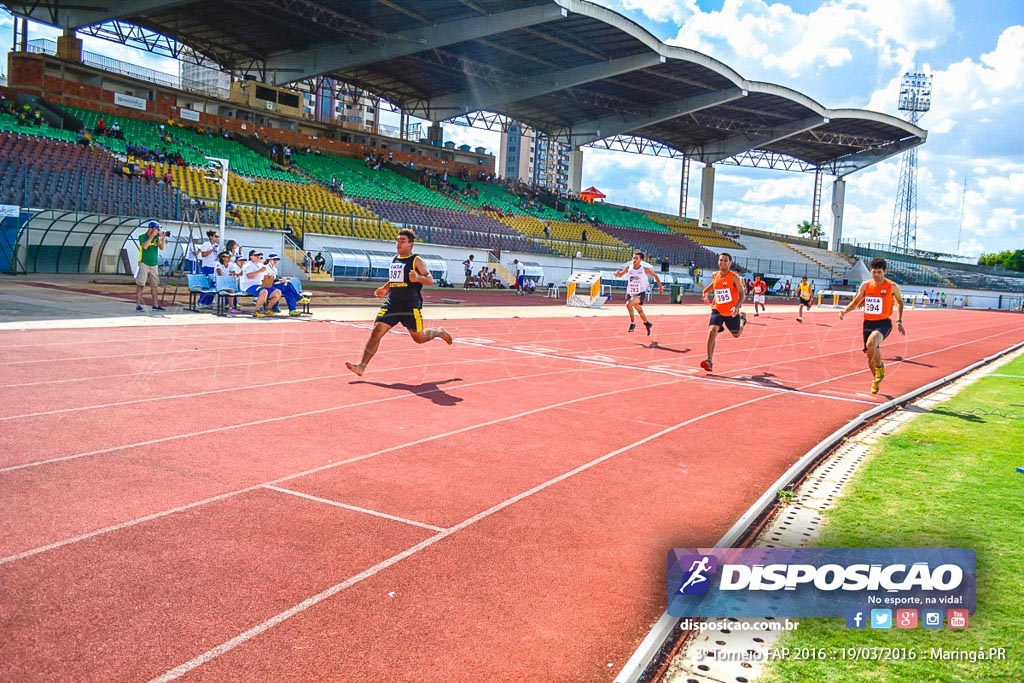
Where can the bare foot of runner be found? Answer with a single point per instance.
(358, 369)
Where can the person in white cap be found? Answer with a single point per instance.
(253, 274)
(283, 285)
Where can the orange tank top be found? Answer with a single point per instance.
(726, 293)
(878, 300)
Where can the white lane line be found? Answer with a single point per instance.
(354, 508)
(225, 390)
(313, 600)
(269, 420)
(324, 468)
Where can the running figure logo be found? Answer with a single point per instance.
(697, 581)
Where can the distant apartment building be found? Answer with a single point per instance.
(333, 101)
(530, 156)
(203, 78)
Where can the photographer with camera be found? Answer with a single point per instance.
(150, 244)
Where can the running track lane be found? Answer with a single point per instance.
(506, 592)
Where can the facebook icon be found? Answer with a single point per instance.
(856, 618)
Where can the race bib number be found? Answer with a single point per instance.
(396, 273)
(634, 285)
(723, 296)
(873, 305)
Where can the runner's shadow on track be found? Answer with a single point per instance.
(901, 359)
(764, 380)
(655, 345)
(967, 417)
(428, 390)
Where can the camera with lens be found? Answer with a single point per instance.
(167, 233)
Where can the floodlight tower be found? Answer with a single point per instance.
(915, 99)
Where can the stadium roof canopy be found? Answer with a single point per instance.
(576, 71)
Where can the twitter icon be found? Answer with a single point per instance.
(881, 618)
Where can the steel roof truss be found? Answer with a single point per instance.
(722, 149)
(486, 96)
(340, 57)
(614, 125)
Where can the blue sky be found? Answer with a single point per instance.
(843, 54)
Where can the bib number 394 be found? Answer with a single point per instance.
(873, 305)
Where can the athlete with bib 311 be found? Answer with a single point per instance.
(879, 295)
(404, 304)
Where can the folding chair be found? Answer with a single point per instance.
(197, 284)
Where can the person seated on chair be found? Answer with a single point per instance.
(284, 285)
(529, 286)
(257, 282)
(235, 271)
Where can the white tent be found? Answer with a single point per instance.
(858, 272)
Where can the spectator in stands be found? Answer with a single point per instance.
(208, 253)
(150, 244)
(101, 127)
(257, 282)
(235, 270)
(468, 266)
(319, 262)
(547, 230)
(307, 262)
(284, 285)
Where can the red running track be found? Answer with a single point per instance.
(227, 503)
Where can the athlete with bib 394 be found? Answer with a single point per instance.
(879, 296)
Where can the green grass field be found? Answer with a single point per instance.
(948, 479)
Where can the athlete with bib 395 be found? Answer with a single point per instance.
(404, 304)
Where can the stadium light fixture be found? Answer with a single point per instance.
(217, 172)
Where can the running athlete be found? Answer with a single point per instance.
(878, 295)
(406, 277)
(725, 311)
(759, 287)
(636, 273)
(804, 295)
